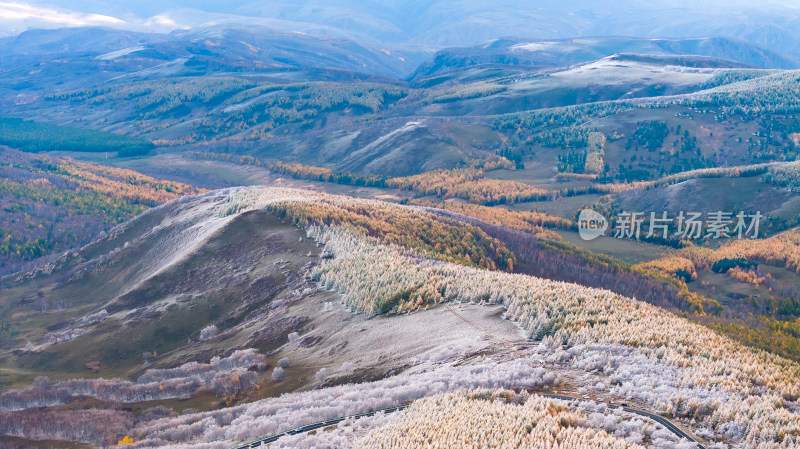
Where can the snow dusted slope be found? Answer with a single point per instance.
(737, 392)
(393, 324)
(148, 244)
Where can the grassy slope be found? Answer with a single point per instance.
(229, 280)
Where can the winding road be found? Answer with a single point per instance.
(320, 424)
(657, 418)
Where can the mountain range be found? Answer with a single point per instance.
(64, 59)
(431, 25)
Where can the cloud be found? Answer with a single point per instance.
(10, 11)
(163, 21)
(16, 17)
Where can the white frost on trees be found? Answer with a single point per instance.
(499, 419)
(374, 277)
(208, 332)
(268, 416)
(224, 376)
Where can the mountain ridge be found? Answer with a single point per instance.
(543, 54)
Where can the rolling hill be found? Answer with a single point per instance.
(201, 279)
(542, 54)
(422, 26)
(94, 56)
(377, 127)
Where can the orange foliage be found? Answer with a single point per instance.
(749, 276)
(302, 171)
(469, 184)
(670, 266)
(780, 250)
(533, 222)
(458, 243)
(122, 183)
(94, 366)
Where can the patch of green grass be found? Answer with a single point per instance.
(722, 287)
(9, 442)
(201, 402)
(629, 251)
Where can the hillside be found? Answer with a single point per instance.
(540, 54)
(378, 128)
(378, 125)
(94, 56)
(213, 274)
(52, 204)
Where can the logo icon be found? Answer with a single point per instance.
(591, 224)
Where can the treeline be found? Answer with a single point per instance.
(45, 395)
(35, 137)
(781, 250)
(227, 157)
(784, 175)
(525, 122)
(296, 170)
(468, 92)
(321, 174)
(775, 336)
(100, 427)
(223, 376)
(441, 239)
(734, 76)
(662, 282)
(156, 98)
(558, 260)
(774, 94)
(546, 255)
(470, 184)
(715, 172)
(122, 183)
(528, 221)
